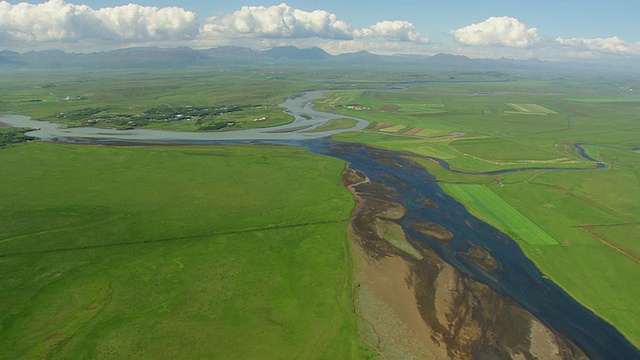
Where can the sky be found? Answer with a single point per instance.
(587, 30)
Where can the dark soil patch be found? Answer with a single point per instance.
(390, 108)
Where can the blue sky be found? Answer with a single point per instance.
(567, 18)
(553, 30)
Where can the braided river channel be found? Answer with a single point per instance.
(514, 276)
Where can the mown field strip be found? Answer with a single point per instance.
(518, 107)
(491, 207)
(542, 108)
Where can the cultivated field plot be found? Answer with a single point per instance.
(502, 150)
(529, 109)
(391, 112)
(387, 101)
(335, 124)
(495, 210)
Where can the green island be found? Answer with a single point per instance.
(198, 245)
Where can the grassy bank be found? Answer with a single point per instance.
(229, 252)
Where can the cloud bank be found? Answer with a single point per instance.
(392, 30)
(498, 31)
(61, 25)
(59, 21)
(284, 22)
(281, 21)
(613, 45)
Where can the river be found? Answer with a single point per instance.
(515, 277)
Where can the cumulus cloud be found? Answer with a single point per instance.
(284, 22)
(392, 30)
(57, 20)
(612, 45)
(498, 31)
(278, 21)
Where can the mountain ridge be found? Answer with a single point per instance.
(178, 57)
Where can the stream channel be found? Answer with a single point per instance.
(514, 277)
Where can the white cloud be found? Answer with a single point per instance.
(62, 25)
(392, 30)
(281, 21)
(284, 22)
(498, 31)
(612, 45)
(59, 21)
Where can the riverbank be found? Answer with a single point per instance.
(421, 307)
(301, 108)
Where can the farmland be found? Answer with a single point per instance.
(131, 240)
(483, 201)
(184, 101)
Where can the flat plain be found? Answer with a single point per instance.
(590, 216)
(174, 251)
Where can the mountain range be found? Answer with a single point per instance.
(154, 57)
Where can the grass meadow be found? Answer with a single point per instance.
(163, 252)
(193, 250)
(500, 213)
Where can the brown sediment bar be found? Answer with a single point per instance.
(425, 308)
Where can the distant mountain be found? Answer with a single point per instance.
(363, 57)
(294, 53)
(231, 53)
(450, 59)
(148, 56)
(10, 58)
(154, 57)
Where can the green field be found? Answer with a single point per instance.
(163, 252)
(153, 99)
(100, 245)
(335, 124)
(498, 212)
(506, 151)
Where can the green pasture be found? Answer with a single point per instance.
(602, 279)
(164, 252)
(605, 100)
(503, 150)
(335, 124)
(114, 92)
(386, 101)
(500, 213)
(624, 236)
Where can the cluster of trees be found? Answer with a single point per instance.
(13, 136)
